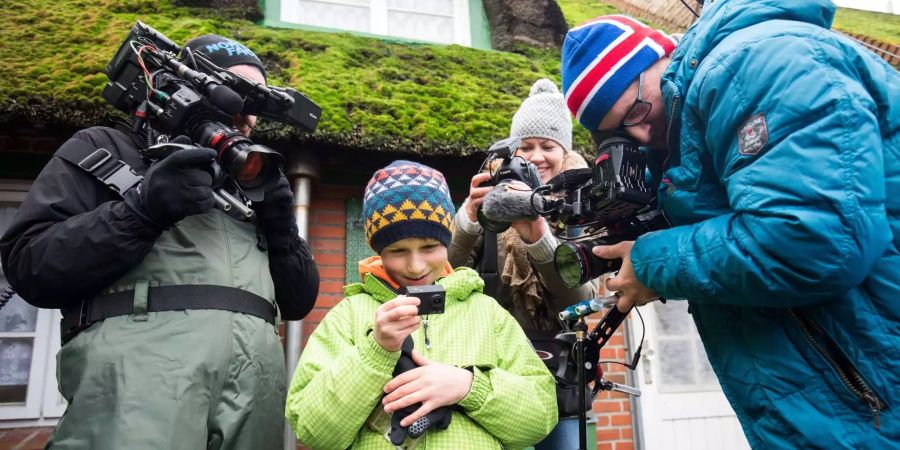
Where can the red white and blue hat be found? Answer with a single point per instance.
(600, 59)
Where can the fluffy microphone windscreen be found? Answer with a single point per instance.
(505, 204)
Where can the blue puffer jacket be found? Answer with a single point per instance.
(783, 184)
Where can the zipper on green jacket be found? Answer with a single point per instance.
(425, 328)
(840, 363)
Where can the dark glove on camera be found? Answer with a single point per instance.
(175, 187)
(275, 215)
(439, 418)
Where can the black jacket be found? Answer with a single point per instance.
(73, 236)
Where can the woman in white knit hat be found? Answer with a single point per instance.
(529, 286)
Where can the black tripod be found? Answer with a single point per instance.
(585, 363)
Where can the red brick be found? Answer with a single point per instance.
(327, 301)
(331, 287)
(25, 438)
(328, 244)
(621, 419)
(602, 420)
(325, 231)
(316, 315)
(334, 204)
(329, 272)
(624, 445)
(627, 433)
(607, 406)
(616, 339)
(608, 353)
(607, 434)
(334, 259)
(329, 217)
(330, 191)
(604, 446)
(615, 377)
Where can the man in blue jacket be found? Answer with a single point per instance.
(779, 143)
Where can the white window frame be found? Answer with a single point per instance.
(378, 17)
(43, 405)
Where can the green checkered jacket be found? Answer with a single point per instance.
(341, 374)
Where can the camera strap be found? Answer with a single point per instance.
(100, 163)
(489, 264)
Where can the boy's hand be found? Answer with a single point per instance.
(395, 320)
(432, 384)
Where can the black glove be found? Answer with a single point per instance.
(275, 215)
(439, 417)
(175, 187)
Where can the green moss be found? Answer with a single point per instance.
(427, 99)
(881, 26)
(578, 11)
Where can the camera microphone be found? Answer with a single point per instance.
(225, 98)
(571, 178)
(505, 204)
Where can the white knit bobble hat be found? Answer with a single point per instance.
(543, 115)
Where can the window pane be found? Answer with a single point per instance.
(350, 15)
(16, 316)
(15, 366)
(421, 27)
(442, 7)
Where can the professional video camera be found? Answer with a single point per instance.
(508, 168)
(610, 202)
(180, 92)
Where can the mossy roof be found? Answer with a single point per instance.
(376, 94)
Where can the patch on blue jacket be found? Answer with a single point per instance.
(754, 135)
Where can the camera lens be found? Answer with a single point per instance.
(436, 301)
(576, 264)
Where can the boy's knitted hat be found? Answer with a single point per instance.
(407, 199)
(600, 59)
(224, 52)
(543, 115)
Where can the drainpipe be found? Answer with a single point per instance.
(301, 169)
(637, 424)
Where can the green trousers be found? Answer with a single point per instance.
(179, 380)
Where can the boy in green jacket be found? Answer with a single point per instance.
(473, 359)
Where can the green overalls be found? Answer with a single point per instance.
(190, 379)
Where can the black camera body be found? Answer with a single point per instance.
(611, 202)
(432, 298)
(510, 168)
(178, 92)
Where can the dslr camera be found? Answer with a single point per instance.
(505, 168)
(182, 93)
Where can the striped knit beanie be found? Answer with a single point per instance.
(407, 199)
(600, 59)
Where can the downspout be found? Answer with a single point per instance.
(301, 169)
(637, 425)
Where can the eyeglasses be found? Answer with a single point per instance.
(639, 110)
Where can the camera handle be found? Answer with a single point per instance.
(224, 200)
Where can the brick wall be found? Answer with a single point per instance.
(24, 438)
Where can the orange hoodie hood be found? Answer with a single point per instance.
(374, 266)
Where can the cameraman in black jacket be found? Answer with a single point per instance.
(169, 318)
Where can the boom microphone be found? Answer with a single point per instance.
(505, 204)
